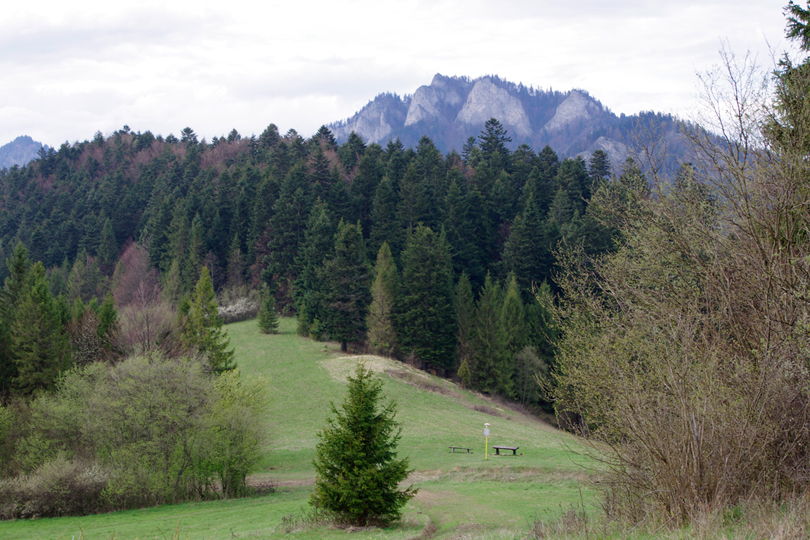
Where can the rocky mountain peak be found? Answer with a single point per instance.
(578, 106)
(451, 109)
(488, 100)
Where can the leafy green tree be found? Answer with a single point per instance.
(268, 318)
(358, 471)
(348, 294)
(425, 321)
(202, 326)
(381, 336)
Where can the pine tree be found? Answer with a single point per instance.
(268, 318)
(425, 321)
(348, 294)
(381, 337)
(202, 326)
(358, 472)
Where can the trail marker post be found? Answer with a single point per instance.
(486, 441)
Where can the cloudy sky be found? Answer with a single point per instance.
(69, 69)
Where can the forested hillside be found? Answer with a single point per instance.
(469, 239)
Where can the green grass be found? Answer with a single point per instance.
(460, 494)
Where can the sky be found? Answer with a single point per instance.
(71, 69)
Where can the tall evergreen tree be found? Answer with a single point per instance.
(465, 324)
(107, 252)
(384, 222)
(425, 321)
(348, 295)
(310, 288)
(202, 326)
(380, 321)
(528, 250)
(16, 283)
(39, 341)
(358, 471)
(514, 328)
(490, 368)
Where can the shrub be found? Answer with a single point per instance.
(163, 430)
(59, 487)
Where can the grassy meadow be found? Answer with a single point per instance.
(460, 495)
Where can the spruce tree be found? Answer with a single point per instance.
(381, 336)
(491, 372)
(465, 320)
(268, 318)
(348, 293)
(39, 342)
(358, 472)
(384, 223)
(202, 326)
(514, 328)
(17, 281)
(310, 288)
(107, 251)
(425, 320)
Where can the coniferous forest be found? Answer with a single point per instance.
(435, 259)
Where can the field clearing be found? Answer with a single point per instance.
(461, 495)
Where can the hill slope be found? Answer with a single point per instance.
(459, 493)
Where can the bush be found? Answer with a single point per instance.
(59, 487)
(238, 304)
(162, 430)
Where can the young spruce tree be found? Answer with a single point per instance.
(202, 326)
(358, 472)
(268, 318)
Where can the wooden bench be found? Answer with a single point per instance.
(460, 448)
(498, 449)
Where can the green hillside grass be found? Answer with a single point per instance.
(459, 494)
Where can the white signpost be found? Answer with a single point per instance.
(486, 441)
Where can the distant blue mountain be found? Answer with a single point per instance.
(19, 151)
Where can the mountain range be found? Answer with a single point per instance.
(451, 109)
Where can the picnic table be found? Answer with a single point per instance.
(498, 449)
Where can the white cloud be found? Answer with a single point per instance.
(71, 69)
